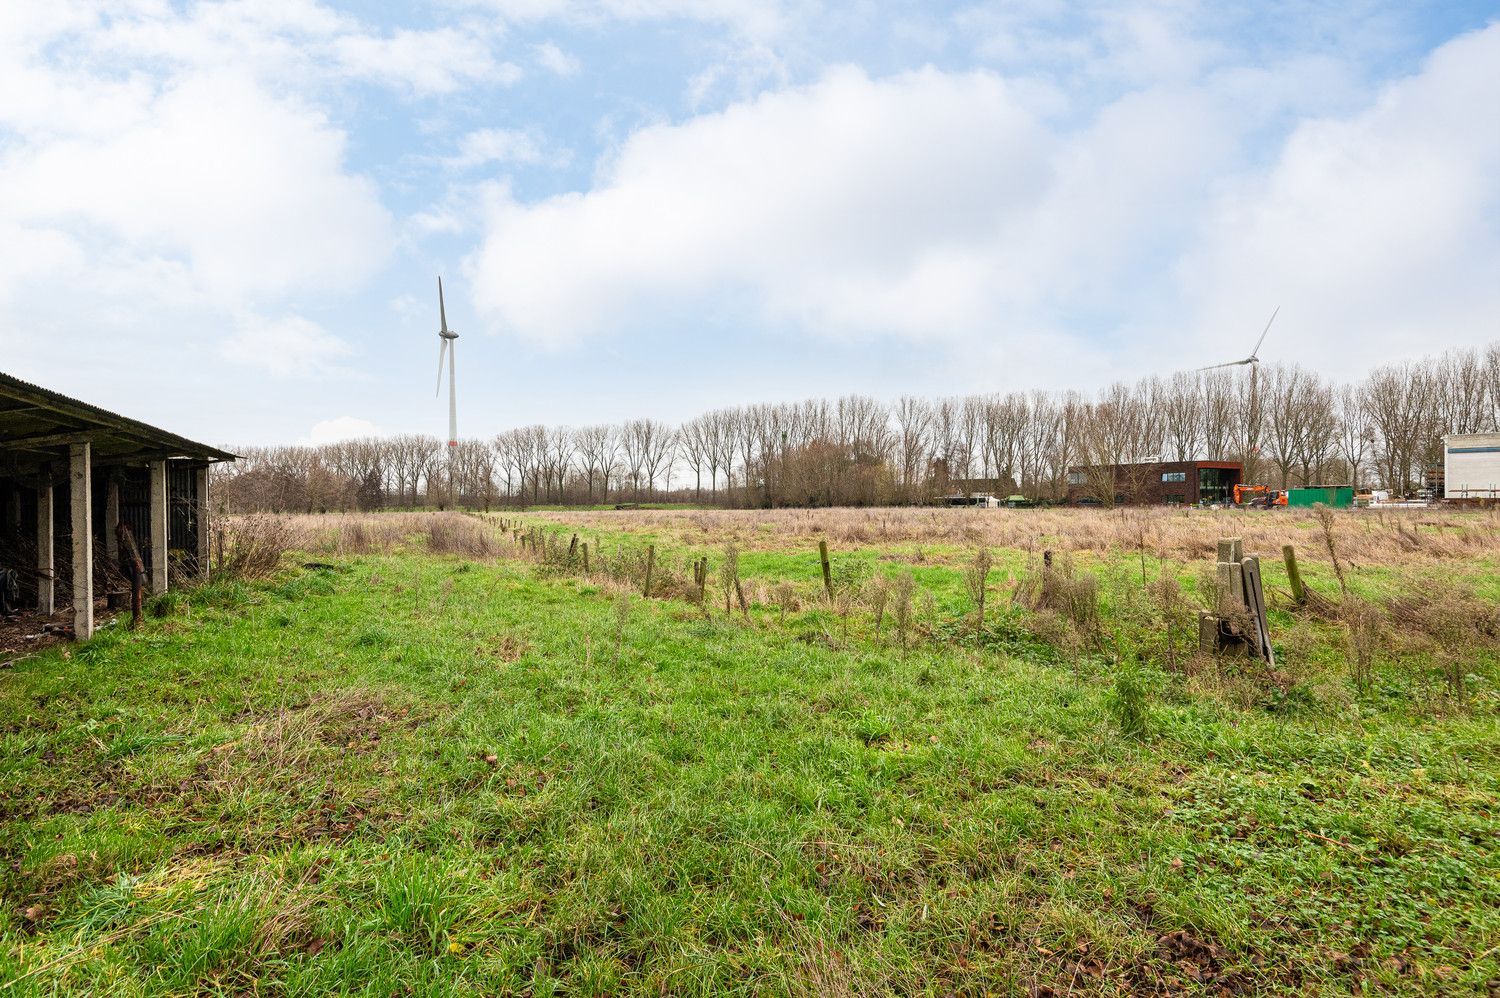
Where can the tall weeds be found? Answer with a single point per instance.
(458, 533)
(253, 546)
(976, 579)
(901, 605)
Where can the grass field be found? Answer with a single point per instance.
(441, 762)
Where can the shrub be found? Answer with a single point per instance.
(1362, 624)
(456, 533)
(1057, 588)
(901, 604)
(253, 546)
(976, 578)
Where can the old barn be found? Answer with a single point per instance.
(71, 474)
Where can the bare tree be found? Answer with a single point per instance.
(914, 427)
(599, 446)
(1355, 434)
(1040, 476)
(859, 450)
(1283, 389)
(751, 428)
(1004, 428)
(1315, 446)
(1218, 414)
(694, 447)
(1398, 399)
(1182, 409)
(658, 450)
(558, 458)
(508, 462)
(724, 427)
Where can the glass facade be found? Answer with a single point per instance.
(1217, 484)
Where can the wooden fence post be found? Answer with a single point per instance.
(650, 564)
(827, 570)
(137, 569)
(585, 558)
(1293, 575)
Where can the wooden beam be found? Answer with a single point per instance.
(138, 458)
(111, 519)
(158, 538)
(42, 441)
(81, 523)
(46, 568)
(201, 519)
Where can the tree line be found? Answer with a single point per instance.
(1288, 425)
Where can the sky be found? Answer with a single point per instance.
(228, 218)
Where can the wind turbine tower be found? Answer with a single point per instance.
(446, 350)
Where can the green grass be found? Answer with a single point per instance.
(416, 775)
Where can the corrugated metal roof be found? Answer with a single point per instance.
(35, 418)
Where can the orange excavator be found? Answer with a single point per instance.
(1262, 496)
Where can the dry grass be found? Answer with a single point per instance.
(456, 533)
(292, 742)
(254, 545)
(248, 547)
(1390, 537)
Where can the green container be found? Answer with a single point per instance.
(1336, 496)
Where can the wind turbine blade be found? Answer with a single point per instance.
(442, 355)
(1215, 367)
(1255, 354)
(442, 309)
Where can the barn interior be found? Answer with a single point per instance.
(81, 486)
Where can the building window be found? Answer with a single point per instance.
(1174, 476)
(1075, 478)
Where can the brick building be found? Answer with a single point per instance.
(1154, 483)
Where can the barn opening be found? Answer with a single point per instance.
(70, 474)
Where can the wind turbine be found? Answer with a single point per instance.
(1254, 358)
(1252, 430)
(446, 349)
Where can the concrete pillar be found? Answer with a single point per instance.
(45, 565)
(200, 478)
(158, 526)
(81, 523)
(111, 518)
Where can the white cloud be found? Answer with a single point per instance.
(752, 18)
(159, 155)
(964, 208)
(292, 42)
(556, 60)
(1378, 233)
(289, 347)
(429, 62)
(246, 190)
(332, 431)
(506, 146)
(926, 205)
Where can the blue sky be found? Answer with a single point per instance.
(228, 218)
